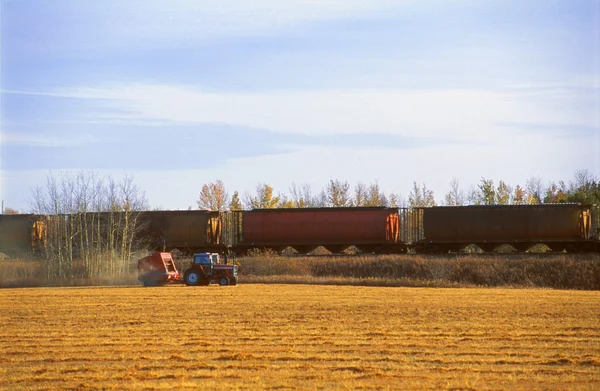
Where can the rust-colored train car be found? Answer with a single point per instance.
(185, 230)
(559, 226)
(305, 229)
(18, 233)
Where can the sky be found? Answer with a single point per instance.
(180, 93)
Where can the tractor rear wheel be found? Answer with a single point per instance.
(192, 277)
(223, 280)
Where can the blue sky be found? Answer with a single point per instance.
(181, 93)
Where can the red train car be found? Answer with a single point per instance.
(304, 229)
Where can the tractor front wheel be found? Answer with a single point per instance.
(223, 280)
(192, 278)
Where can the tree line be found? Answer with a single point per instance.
(583, 188)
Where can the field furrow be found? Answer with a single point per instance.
(298, 336)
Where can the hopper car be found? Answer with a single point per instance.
(562, 227)
(305, 229)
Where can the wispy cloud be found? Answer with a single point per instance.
(475, 115)
(47, 140)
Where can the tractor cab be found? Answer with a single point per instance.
(206, 261)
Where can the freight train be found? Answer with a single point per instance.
(561, 227)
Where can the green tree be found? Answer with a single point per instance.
(487, 194)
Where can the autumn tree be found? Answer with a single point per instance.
(396, 201)
(421, 196)
(338, 193)
(556, 193)
(520, 195)
(263, 199)
(286, 202)
(10, 211)
(375, 197)
(235, 203)
(213, 196)
(455, 197)
(360, 195)
(503, 194)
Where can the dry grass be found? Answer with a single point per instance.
(299, 336)
(562, 271)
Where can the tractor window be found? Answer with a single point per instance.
(202, 259)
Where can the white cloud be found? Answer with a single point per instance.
(466, 115)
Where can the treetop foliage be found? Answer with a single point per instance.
(583, 188)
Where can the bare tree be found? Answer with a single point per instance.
(421, 197)
(91, 225)
(301, 197)
(535, 190)
(455, 197)
(213, 196)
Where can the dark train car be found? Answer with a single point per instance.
(559, 226)
(17, 233)
(305, 229)
(185, 230)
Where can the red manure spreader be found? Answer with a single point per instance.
(159, 269)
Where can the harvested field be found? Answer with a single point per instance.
(298, 336)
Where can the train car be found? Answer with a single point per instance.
(19, 233)
(559, 226)
(305, 229)
(186, 230)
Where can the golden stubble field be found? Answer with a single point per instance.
(298, 336)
